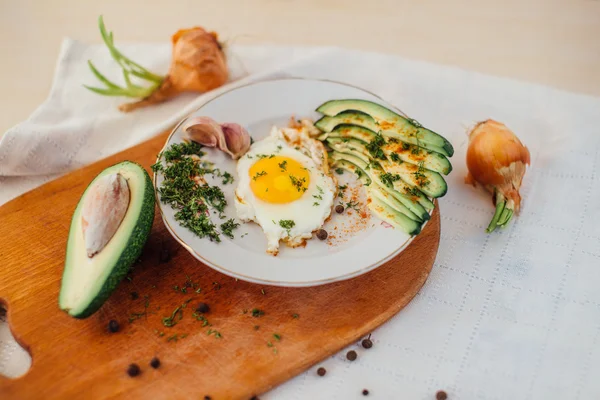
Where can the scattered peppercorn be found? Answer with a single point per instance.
(203, 308)
(165, 255)
(133, 370)
(441, 395)
(155, 363)
(365, 392)
(339, 209)
(321, 371)
(322, 234)
(134, 295)
(367, 343)
(254, 398)
(207, 397)
(113, 326)
(351, 355)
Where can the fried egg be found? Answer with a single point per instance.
(284, 186)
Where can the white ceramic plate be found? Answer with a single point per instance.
(258, 107)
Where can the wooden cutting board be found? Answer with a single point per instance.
(77, 359)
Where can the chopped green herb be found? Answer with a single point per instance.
(227, 178)
(374, 147)
(295, 316)
(257, 312)
(354, 205)
(389, 179)
(316, 204)
(263, 291)
(405, 146)
(283, 165)
(277, 336)
(339, 171)
(258, 175)
(420, 176)
(173, 338)
(393, 140)
(395, 157)
(228, 227)
(287, 224)
(298, 183)
(412, 191)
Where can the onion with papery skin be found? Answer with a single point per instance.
(198, 64)
(229, 137)
(497, 160)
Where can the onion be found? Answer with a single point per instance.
(496, 160)
(198, 64)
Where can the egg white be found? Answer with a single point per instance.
(306, 214)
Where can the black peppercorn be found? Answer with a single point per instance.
(133, 370)
(351, 355)
(321, 371)
(367, 343)
(134, 295)
(254, 398)
(113, 326)
(155, 363)
(207, 397)
(441, 395)
(203, 308)
(165, 255)
(365, 392)
(339, 209)
(322, 234)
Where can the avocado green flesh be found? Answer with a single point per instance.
(393, 217)
(88, 282)
(390, 123)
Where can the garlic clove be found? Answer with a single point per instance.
(236, 138)
(103, 211)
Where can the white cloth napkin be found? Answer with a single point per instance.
(511, 315)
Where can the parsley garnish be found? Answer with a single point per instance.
(412, 191)
(420, 175)
(228, 227)
(316, 203)
(395, 157)
(227, 178)
(190, 199)
(405, 146)
(354, 205)
(257, 313)
(277, 337)
(318, 196)
(298, 183)
(287, 224)
(283, 165)
(389, 179)
(339, 171)
(258, 175)
(374, 147)
(341, 192)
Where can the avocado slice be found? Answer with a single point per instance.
(392, 216)
(389, 122)
(88, 281)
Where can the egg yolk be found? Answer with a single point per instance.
(277, 179)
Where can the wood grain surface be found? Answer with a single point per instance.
(80, 359)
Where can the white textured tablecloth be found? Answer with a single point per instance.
(511, 315)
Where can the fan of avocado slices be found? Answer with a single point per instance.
(400, 162)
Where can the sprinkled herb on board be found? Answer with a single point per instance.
(256, 327)
(295, 316)
(277, 337)
(257, 313)
(176, 315)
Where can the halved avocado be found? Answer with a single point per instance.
(88, 281)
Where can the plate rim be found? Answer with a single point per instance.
(246, 278)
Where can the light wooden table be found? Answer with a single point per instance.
(553, 42)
